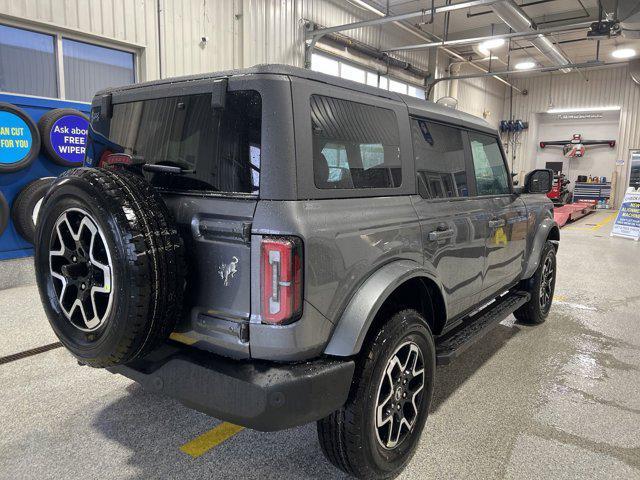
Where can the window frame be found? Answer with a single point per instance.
(302, 90)
(469, 165)
(59, 32)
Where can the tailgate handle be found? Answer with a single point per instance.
(222, 228)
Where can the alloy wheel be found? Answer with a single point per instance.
(546, 282)
(399, 395)
(81, 268)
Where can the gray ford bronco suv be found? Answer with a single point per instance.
(274, 246)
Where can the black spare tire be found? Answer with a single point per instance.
(109, 265)
(26, 207)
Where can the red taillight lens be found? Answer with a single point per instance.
(103, 158)
(281, 279)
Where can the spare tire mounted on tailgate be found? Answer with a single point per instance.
(109, 264)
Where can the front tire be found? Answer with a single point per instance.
(541, 286)
(375, 434)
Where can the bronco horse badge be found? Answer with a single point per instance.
(228, 270)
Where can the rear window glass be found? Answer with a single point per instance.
(440, 160)
(218, 149)
(354, 145)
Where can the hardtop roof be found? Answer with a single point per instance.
(415, 105)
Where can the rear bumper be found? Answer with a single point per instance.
(255, 394)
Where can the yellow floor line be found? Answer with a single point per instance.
(581, 226)
(605, 221)
(208, 440)
(560, 298)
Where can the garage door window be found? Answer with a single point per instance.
(89, 68)
(355, 145)
(50, 65)
(27, 62)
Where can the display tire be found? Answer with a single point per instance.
(350, 437)
(26, 207)
(534, 312)
(35, 140)
(46, 123)
(132, 232)
(4, 213)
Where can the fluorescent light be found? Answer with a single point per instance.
(526, 65)
(584, 109)
(623, 53)
(491, 44)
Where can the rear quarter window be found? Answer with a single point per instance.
(355, 146)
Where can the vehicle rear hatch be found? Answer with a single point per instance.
(199, 145)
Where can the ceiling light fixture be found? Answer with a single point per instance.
(623, 53)
(488, 45)
(583, 109)
(526, 65)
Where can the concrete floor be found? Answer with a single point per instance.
(561, 400)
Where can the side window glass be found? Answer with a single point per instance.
(335, 155)
(354, 145)
(491, 173)
(440, 160)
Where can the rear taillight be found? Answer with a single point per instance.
(102, 162)
(281, 279)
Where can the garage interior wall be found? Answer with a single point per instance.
(482, 97)
(242, 33)
(239, 33)
(611, 86)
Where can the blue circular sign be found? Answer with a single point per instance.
(15, 138)
(69, 138)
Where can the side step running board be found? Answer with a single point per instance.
(450, 345)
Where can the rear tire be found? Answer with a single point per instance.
(358, 441)
(541, 286)
(109, 266)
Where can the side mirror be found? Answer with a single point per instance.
(538, 181)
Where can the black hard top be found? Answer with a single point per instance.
(415, 105)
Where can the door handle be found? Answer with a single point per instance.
(497, 223)
(439, 234)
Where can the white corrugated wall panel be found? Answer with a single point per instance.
(273, 32)
(479, 96)
(605, 87)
